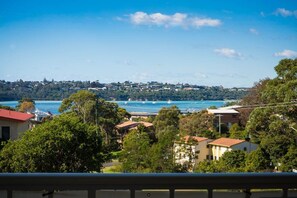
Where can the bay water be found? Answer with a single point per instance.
(133, 106)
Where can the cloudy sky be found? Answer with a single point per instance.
(218, 42)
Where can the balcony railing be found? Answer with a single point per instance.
(92, 183)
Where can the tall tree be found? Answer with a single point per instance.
(64, 144)
(26, 105)
(135, 152)
(83, 103)
(166, 117)
(272, 125)
(196, 124)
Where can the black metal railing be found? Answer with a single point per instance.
(51, 182)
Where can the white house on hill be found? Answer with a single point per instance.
(220, 146)
(191, 150)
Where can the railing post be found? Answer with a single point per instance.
(209, 193)
(132, 193)
(9, 193)
(247, 193)
(171, 192)
(285, 192)
(91, 193)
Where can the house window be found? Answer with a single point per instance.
(207, 146)
(5, 133)
(244, 149)
(211, 157)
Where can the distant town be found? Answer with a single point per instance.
(58, 90)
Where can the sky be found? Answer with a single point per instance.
(204, 42)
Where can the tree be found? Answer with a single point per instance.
(258, 161)
(232, 161)
(283, 87)
(83, 103)
(64, 144)
(289, 161)
(90, 109)
(207, 166)
(236, 132)
(161, 153)
(26, 105)
(166, 117)
(135, 152)
(196, 124)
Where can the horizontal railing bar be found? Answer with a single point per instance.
(84, 181)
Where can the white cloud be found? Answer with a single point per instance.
(177, 19)
(200, 22)
(253, 31)
(227, 52)
(285, 13)
(286, 53)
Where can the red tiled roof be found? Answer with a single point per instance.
(198, 139)
(14, 115)
(126, 124)
(227, 142)
(146, 124)
(133, 124)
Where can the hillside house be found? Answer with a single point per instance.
(124, 128)
(13, 123)
(224, 116)
(191, 150)
(220, 146)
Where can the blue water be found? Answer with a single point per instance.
(133, 106)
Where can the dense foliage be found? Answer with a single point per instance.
(64, 144)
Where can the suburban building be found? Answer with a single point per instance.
(13, 123)
(224, 116)
(123, 128)
(191, 150)
(220, 146)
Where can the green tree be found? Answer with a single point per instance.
(232, 161)
(83, 103)
(161, 153)
(64, 144)
(283, 87)
(289, 161)
(207, 166)
(135, 152)
(26, 105)
(236, 132)
(258, 161)
(196, 124)
(105, 115)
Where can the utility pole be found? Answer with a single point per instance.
(219, 115)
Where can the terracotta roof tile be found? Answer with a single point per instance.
(227, 142)
(15, 115)
(198, 139)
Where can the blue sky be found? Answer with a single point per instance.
(223, 42)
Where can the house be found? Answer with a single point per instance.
(224, 116)
(13, 123)
(123, 128)
(191, 150)
(219, 146)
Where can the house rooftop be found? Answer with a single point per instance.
(15, 115)
(226, 142)
(126, 124)
(195, 138)
(222, 111)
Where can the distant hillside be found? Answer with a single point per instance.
(57, 90)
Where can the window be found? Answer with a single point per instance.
(5, 133)
(244, 149)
